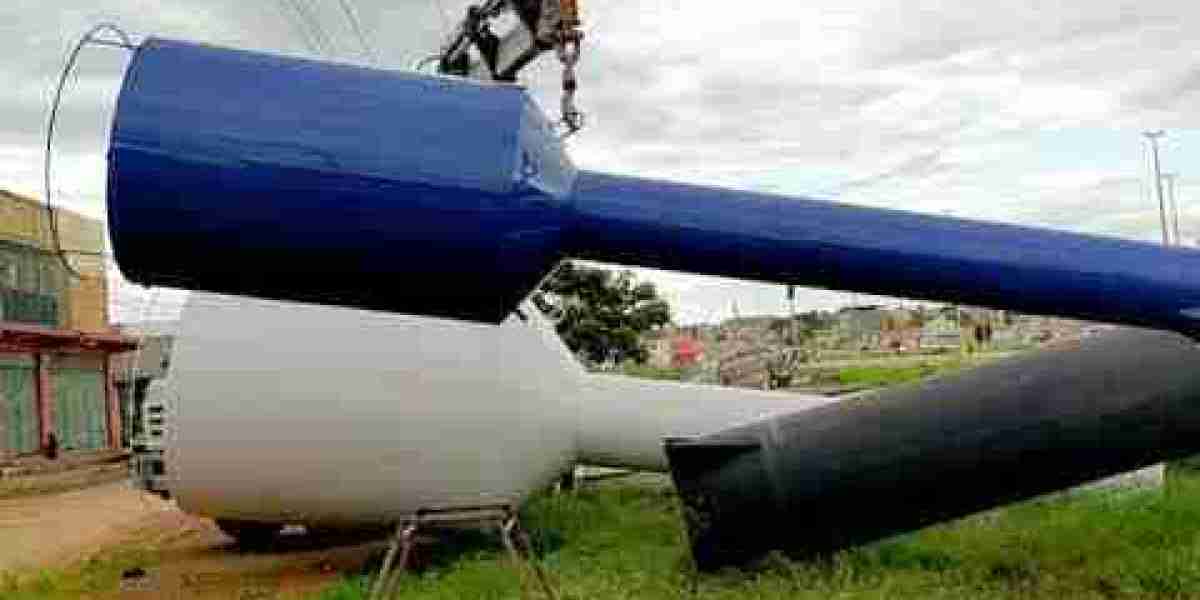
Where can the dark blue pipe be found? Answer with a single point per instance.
(259, 175)
(254, 174)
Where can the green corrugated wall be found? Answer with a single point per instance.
(18, 398)
(79, 415)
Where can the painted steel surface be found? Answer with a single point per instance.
(276, 177)
(268, 176)
(914, 455)
(292, 412)
(808, 242)
(623, 420)
(306, 413)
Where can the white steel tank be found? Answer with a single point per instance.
(300, 413)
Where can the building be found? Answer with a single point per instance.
(686, 351)
(675, 347)
(56, 347)
(861, 325)
(900, 330)
(658, 347)
(748, 347)
(880, 328)
(942, 330)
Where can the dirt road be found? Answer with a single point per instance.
(43, 530)
(191, 557)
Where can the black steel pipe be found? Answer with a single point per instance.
(856, 471)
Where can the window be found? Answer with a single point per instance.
(52, 276)
(8, 270)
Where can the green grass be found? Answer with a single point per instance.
(621, 541)
(868, 376)
(97, 575)
(627, 542)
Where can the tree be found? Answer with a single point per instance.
(601, 314)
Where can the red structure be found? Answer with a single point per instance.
(48, 349)
(686, 351)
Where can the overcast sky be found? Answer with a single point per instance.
(1022, 111)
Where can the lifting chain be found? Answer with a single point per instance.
(568, 47)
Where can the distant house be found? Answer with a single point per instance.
(969, 328)
(686, 351)
(978, 327)
(877, 327)
(900, 330)
(658, 347)
(674, 347)
(942, 331)
(755, 351)
(862, 325)
(743, 356)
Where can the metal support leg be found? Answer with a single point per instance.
(516, 540)
(402, 543)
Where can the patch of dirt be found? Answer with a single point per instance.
(42, 530)
(61, 481)
(194, 559)
(203, 563)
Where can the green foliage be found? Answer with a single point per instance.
(601, 314)
(622, 541)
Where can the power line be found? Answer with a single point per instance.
(1173, 206)
(356, 27)
(298, 26)
(318, 41)
(1153, 137)
(311, 16)
(91, 37)
(323, 37)
(440, 9)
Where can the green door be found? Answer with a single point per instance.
(79, 415)
(18, 400)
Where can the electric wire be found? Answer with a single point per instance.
(440, 9)
(286, 9)
(323, 37)
(356, 27)
(91, 37)
(314, 36)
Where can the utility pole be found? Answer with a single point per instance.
(1158, 187)
(1173, 203)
